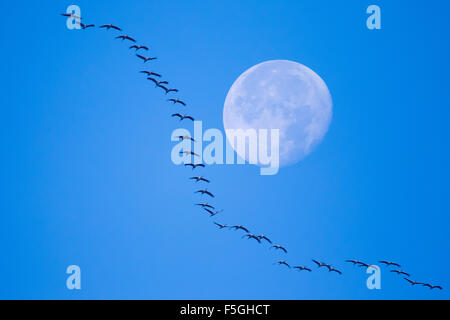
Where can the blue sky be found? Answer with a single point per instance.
(86, 172)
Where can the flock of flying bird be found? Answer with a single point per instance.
(210, 209)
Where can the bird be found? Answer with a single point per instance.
(331, 269)
(167, 90)
(125, 37)
(150, 73)
(355, 262)
(389, 263)
(221, 226)
(194, 165)
(283, 262)
(431, 287)
(205, 191)
(109, 26)
(138, 47)
(204, 205)
(362, 264)
(191, 153)
(145, 59)
(171, 90)
(277, 247)
(212, 213)
(71, 15)
(182, 117)
(199, 178)
(157, 83)
(240, 228)
(401, 272)
(185, 138)
(177, 101)
(265, 238)
(322, 264)
(84, 26)
(300, 268)
(251, 236)
(413, 282)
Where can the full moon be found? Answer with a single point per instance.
(284, 95)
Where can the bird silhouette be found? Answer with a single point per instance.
(431, 287)
(185, 138)
(70, 15)
(194, 165)
(413, 283)
(136, 47)
(321, 264)
(212, 213)
(283, 262)
(145, 59)
(110, 26)
(150, 73)
(182, 117)
(85, 26)
(331, 269)
(277, 247)
(263, 237)
(300, 268)
(401, 272)
(167, 90)
(240, 228)
(389, 263)
(199, 178)
(157, 83)
(205, 205)
(251, 236)
(125, 37)
(190, 153)
(177, 101)
(205, 191)
(221, 226)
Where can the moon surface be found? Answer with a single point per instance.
(284, 95)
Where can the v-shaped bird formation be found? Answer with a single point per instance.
(210, 209)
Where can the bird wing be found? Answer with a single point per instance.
(154, 80)
(141, 57)
(189, 117)
(317, 262)
(210, 211)
(177, 115)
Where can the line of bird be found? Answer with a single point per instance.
(210, 209)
